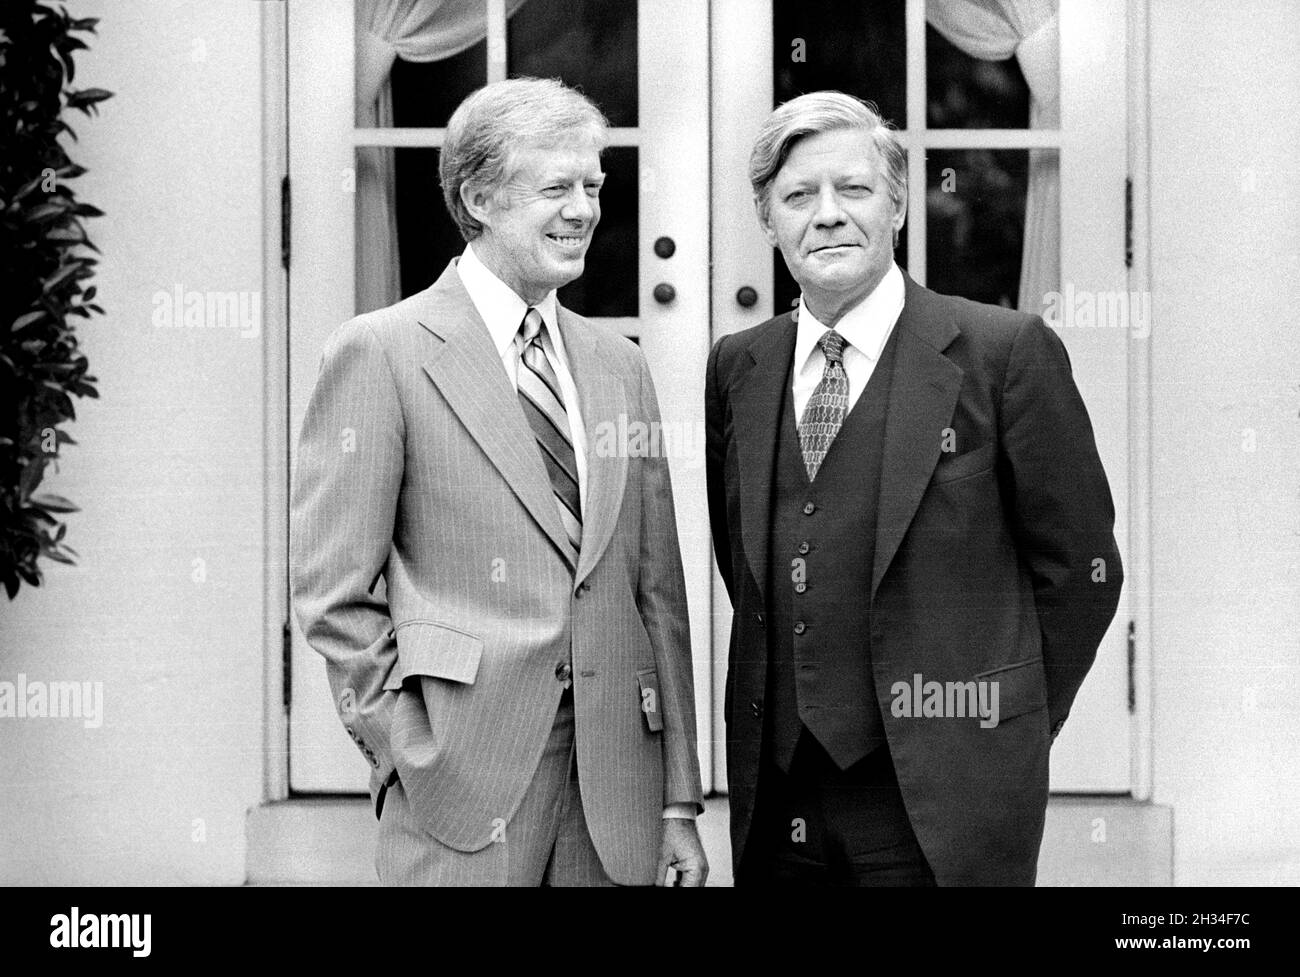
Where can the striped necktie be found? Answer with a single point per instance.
(543, 405)
(826, 408)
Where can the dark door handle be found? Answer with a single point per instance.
(664, 293)
(746, 296)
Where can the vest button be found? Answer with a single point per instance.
(756, 708)
(804, 547)
(800, 627)
(799, 588)
(809, 508)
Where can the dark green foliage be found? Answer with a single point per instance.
(46, 266)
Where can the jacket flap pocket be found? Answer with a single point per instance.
(648, 680)
(1020, 687)
(429, 648)
(972, 462)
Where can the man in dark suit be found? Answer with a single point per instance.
(916, 535)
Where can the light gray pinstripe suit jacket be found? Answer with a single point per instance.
(427, 568)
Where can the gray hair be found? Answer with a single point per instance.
(815, 113)
(496, 119)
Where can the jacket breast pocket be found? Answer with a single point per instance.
(950, 468)
(440, 650)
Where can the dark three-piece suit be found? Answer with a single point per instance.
(960, 529)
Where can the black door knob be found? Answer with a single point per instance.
(665, 247)
(664, 293)
(746, 296)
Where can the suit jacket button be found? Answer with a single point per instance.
(809, 508)
(804, 547)
(800, 627)
(756, 708)
(563, 671)
(799, 588)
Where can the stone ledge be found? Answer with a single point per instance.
(1106, 841)
(1112, 841)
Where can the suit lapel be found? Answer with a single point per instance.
(467, 371)
(923, 393)
(601, 400)
(756, 403)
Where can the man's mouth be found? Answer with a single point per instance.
(830, 247)
(569, 242)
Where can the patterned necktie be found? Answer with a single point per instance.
(543, 405)
(826, 409)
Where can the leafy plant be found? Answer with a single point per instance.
(45, 263)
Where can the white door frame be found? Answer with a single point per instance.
(1139, 571)
(275, 337)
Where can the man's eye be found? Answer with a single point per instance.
(857, 188)
(593, 189)
(796, 195)
(554, 191)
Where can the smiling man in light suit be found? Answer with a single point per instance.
(501, 607)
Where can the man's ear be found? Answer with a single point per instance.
(899, 220)
(765, 223)
(478, 200)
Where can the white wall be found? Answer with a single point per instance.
(169, 469)
(1225, 84)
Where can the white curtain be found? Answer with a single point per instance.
(416, 30)
(994, 30)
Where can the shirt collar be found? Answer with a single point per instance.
(865, 327)
(500, 308)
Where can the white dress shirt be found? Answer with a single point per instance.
(865, 328)
(503, 312)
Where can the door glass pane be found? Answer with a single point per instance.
(979, 203)
(858, 48)
(443, 59)
(404, 235)
(427, 238)
(426, 93)
(979, 82)
(588, 44)
(609, 283)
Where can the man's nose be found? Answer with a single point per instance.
(577, 205)
(828, 212)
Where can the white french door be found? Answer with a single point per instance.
(646, 64)
(968, 173)
(686, 84)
